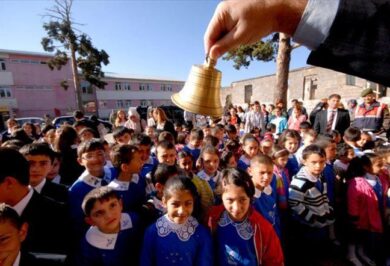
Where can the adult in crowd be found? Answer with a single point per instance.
(266, 114)
(234, 119)
(352, 104)
(322, 105)
(120, 118)
(162, 122)
(12, 125)
(370, 114)
(79, 116)
(149, 116)
(254, 119)
(134, 121)
(337, 32)
(333, 118)
(189, 118)
(296, 118)
(241, 113)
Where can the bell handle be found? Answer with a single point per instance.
(210, 62)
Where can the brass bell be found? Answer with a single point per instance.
(201, 92)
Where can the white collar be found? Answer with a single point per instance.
(21, 205)
(309, 176)
(38, 188)
(202, 174)
(101, 240)
(267, 191)
(123, 185)
(244, 229)
(94, 181)
(17, 260)
(332, 110)
(183, 231)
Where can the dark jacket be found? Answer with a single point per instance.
(342, 121)
(56, 192)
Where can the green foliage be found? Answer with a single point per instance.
(263, 50)
(63, 39)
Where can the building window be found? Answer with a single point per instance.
(351, 80)
(5, 93)
(2, 65)
(248, 93)
(146, 103)
(123, 103)
(118, 86)
(166, 87)
(145, 87)
(126, 86)
(310, 85)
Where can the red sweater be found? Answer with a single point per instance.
(267, 245)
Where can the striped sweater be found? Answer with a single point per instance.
(308, 200)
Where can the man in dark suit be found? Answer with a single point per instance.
(47, 219)
(333, 118)
(351, 36)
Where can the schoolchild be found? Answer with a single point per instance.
(129, 185)
(154, 207)
(352, 137)
(242, 236)
(228, 160)
(166, 152)
(366, 198)
(265, 198)
(40, 158)
(218, 131)
(345, 154)
(195, 143)
(250, 147)
(166, 136)
(87, 134)
(280, 158)
(266, 146)
(144, 144)
(290, 140)
(279, 121)
(180, 141)
(113, 236)
(122, 135)
(211, 140)
(209, 160)
(231, 132)
(310, 207)
(206, 196)
(54, 174)
(177, 238)
(90, 155)
(308, 138)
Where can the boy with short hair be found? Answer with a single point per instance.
(91, 155)
(265, 199)
(195, 143)
(307, 138)
(113, 236)
(122, 135)
(351, 137)
(144, 144)
(166, 152)
(41, 158)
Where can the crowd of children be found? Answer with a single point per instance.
(201, 196)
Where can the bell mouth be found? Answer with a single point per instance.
(190, 106)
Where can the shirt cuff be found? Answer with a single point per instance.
(315, 23)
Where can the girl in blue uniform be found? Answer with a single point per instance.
(177, 238)
(290, 140)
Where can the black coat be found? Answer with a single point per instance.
(56, 192)
(358, 41)
(342, 121)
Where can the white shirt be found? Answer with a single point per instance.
(329, 113)
(17, 260)
(21, 205)
(38, 188)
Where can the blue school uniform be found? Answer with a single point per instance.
(265, 202)
(98, 248)
(168, 243)
(292, 165)
(330, 179)
(235, 244)
(148, 166)
(132, 193)
(195, 152)
(84, 184)
(243, 163)
(212, 180)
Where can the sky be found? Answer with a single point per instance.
(158, 38)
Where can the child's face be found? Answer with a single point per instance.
(86, 135)
(349, 157)
(93, 161)
(124, 139)
(210, 163)
(55, 169)
(315, 164)
(235, 201)
(136, 163)
(331, 151)
(50, 137)
(266, 147)
(281, 161)
(40, 166)
(178, 128)
(10, 242)
(27, 129)
(251, 148)
(206, 131)
(363, 140)
(232, 162)
(149, 131)
(106, 215)
(179, 206)
(196, 143)
(261, 174)
(291, 144)
(219, 134)
(377, 166)
(337, 138)
(144, 152)
(308, 140)
(186, 164)
(167, 156)
(232, 135)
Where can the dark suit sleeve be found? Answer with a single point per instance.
(358, 41)
(317, 123)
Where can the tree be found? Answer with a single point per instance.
(265, 50)
(70, 43)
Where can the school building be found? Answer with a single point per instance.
(308, 84)
(29, 88)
